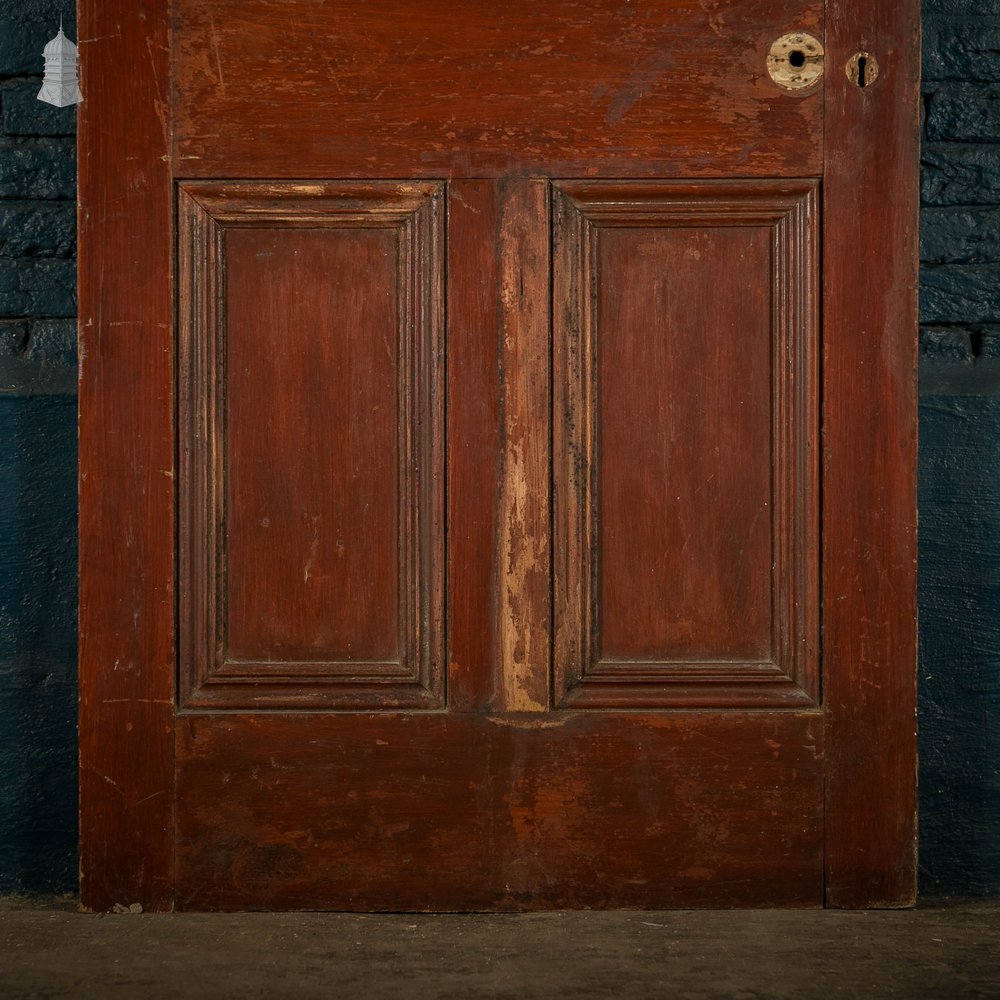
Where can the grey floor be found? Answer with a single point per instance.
(946, 951)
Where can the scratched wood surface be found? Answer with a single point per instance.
(685, 465)
(311, 327)
(498, 445)
(282, 774)
(502, 812)
(869, 459)
(297, 302)
(480, 89)
(126, 459)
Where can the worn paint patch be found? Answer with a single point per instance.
(523, 515)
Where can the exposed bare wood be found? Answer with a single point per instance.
(524, 588)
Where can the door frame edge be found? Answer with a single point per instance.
(127, 457)
(869, 554)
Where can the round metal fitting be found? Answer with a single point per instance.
(862, 69)
(795, 61)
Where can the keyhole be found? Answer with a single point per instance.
(797, 58)
(862, 69)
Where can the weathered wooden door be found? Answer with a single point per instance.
(497, 453)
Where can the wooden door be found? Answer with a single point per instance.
(497, 453)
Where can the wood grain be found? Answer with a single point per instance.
(478, 89)
(685, 459)
(523, 544)
(285, 780)
(126, 459)
(869, 456)
(514, 812)
(312, 448)
(474, 438)
(499, 406)
(311, 364)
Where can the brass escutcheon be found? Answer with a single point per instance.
(795, 61)
(862, 69)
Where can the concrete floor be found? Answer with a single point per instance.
(48, 950)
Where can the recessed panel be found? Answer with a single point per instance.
(312, 445)
(683, 431)
(685, 350)
(312, 554)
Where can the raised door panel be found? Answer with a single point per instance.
(685, 432)
(312, 552)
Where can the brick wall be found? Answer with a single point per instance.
(960, 189)
(37, 209)
(960, 449)
(37, 462)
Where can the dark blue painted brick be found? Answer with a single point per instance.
(13, 338)
(960, 294)
(40, 10)
(37, 168)
(53, 341)
(44, 286)
(37, 643)
(931, 10)
(38, 357)
(963, 113)
(37, 228)
(959, 594)
(952, 293)
(960, 235)
(951, 344)
(990, 341)
(967, 49)
(25, 27)
(24, 114)
(21, 44)
(946, 344)
(38, 800)
(960, 174)
(960, 360)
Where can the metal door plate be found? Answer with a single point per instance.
(795, 61)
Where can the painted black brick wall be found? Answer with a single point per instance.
(37, 462)
(959, 472)
(960, 449)
(37, 209)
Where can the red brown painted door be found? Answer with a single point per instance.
(496, 456)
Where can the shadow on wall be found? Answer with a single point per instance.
(37, 643)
